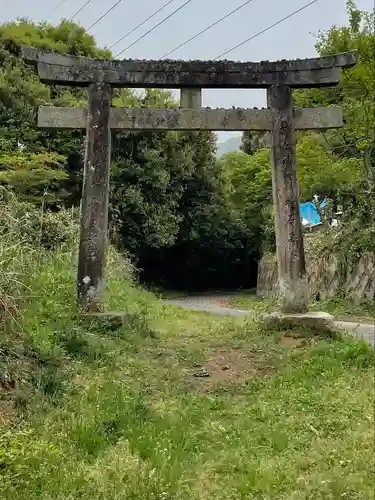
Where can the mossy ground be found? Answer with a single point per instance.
(175, 404)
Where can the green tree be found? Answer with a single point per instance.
(32, 176)
(21, 92)
(355, 95)
(249, 188)
(214, 247)
(252, 141)
(147, 182)
(326, 174)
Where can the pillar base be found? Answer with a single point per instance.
(319, 322)
(294, 297)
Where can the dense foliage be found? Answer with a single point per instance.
(338, 164)
(189, 219)
(168, 200)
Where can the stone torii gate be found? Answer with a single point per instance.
(280, 119)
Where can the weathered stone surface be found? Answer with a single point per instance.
(344, 59)
(189, 119)
(95, 197)
(34, 55)
(191, 98)
(62, 117)
(292, 281)
(66, 75)
(317, 118)
(320, 322)
(55, 68)
(326, 276)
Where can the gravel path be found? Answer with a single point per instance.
(217, 304)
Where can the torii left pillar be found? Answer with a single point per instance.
(95, 199)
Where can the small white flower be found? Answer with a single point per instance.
(86, 280)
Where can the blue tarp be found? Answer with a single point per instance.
(309, 212)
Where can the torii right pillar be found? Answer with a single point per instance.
(293, 289)
(292, 280)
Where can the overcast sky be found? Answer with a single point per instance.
(293, 38)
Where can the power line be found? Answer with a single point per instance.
(156, 26)
(104, 15)
(266, 29)
(142, 23)
(57, 7)
(208, 28)
(80, 9)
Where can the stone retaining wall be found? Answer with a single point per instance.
(325, 276)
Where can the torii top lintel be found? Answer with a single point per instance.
(54, 68)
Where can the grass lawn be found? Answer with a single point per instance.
(179, 405)
(341, 308)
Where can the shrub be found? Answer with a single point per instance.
(38, 227)
(15, 252)
(26, 233)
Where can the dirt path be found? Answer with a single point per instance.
(218, 304)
